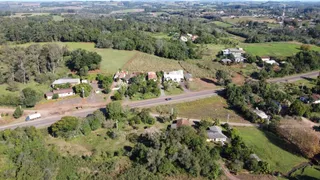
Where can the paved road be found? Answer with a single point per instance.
(47, 121)
(295, 77)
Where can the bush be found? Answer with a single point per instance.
(18, 112)
(55, 96)
(67, 127)
(86, 87)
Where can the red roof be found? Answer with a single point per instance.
(183, 122)
(152, 75)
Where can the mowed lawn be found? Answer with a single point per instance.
(264, 145)
(112, 60)
(307, 173)
(214, 107)
(279, 49)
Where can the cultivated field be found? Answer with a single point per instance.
(270, 148)
(280, 49)
(215, 107)
(146, 62)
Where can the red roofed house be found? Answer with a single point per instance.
(61, 93)
(152, 76)
(181, 122)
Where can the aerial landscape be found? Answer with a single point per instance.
(173, 90)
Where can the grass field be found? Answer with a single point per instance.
(265, 145)
(40, 87)
(215, 107)
(248, 18)
(222, 24)
(146, 62)
(112, 60)
(280, 49)
(57, 18)
(310, 172)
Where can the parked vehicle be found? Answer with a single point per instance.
(168, 99)
(33, 116)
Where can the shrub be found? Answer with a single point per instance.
(55, 96)
(67, 127)
(18, 112)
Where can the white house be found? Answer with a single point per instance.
(272, 62)
(176, 76)
(71, 81)
(233, 51)
(265, 58)
(261, 114)
(215, 135)
(61, 93)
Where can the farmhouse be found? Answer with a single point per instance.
(61, 93)
(272, 62)
(120, 75)
(261, 114)
(215, 135)
(233, 51)
(176, 76)
(265, 58)
(181, 122)
(71, 81)
(226, 61)
(152, 76)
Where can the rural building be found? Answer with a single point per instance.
(128, 77)
(62, 93)
(254, 156)
(188, 77)
(71, 81)
(152, 76)
(120, 75)
(181, 122)
(261, 114)
(233, 51)
(176, 76)
(226, 61)
(236, 52)
(265, 58)
(215, 135)
(315, 98)
(272, 62)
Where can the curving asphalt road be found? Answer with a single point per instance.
(47, 121)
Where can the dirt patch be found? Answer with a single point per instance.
(238, 79)
(199, 84)
(255, 177)
(67, 148)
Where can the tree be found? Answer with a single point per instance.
(83, 71)
(222, 77)
(67, 127)
(81, 58)
(29, 97)
(55, 96)
(298, 108)
(83, 89)
(114, 111)
(18, 112)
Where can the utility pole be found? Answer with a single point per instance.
(228, 117)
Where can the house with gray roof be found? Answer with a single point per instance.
(215, 135)
(71, 81)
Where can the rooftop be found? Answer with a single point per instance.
(261, 114)
(66, 80)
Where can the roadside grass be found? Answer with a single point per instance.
(143, 62)
(222, 24)
(306, 82)
(278, 49)
(265, 145)
(310, 172)
(173, 91)
(112, 60)
(201, 84)
(214, 107)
